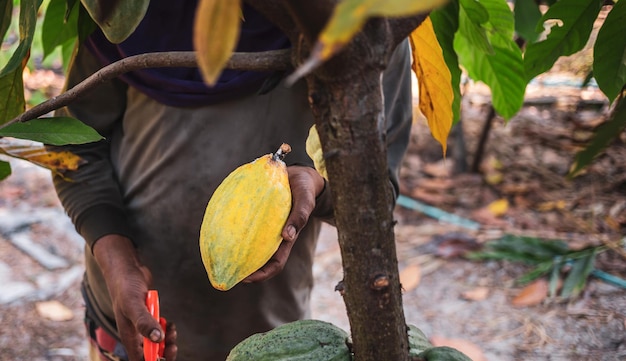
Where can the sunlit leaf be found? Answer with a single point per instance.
(527, 15)
(609, 52)
(577, 278)
(434, 80)
(577, 17)
(348, 19)
(503, 72)
(28, 19)
(498, 207)
(57, 162)
(603, 136)
(12, 101)
(532, 295)
(502, 69)
(117, 18)
(56, 29)
(53, 131)
(475, 11)
(5, 169)
(6, 7)
(445, 23)
(216, 31)
(314, 150)
(472, 16)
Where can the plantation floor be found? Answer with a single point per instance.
(467, 304)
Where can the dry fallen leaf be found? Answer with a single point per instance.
(54, 310)
(532, 295)
(410, 277)
(470, 349)
(476, 294)
(499, 207)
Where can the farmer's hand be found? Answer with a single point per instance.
(127, 281)
(306, 187)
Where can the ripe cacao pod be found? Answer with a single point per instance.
(299, 340)
(244, 218)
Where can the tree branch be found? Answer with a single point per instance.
(262, 61)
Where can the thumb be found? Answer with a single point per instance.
(148, 327)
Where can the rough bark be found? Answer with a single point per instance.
(346, 100)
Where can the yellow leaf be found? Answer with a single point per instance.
(215, 35)
(57, 162)
(498, 208)
(435, 82)
(348, 19)
(314, 150)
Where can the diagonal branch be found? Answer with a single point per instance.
(262, 61)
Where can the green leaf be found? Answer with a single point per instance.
(69, 6)
(577, 278)
(475, 11)
(555, 276)
(527, 249)
(527, 15)
(503, 72)
(609, 52)
(603, 136)
(502, 68)
(539, 270)
(5, 20)
(12, 101)
(53, 131)
(471, 30)
(5, 169)
(56, 30)
(577, 17)
(86, 25)
(117, 18)
(501, 24)
(446, 22)
(28, 20)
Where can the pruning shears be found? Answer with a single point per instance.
(153, 351)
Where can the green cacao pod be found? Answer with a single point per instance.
(304, 340)
(418, 342)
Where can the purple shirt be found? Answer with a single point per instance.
(168, 26)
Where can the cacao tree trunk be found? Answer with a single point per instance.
(346, 99)
(347, 117)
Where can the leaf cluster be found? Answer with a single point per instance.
(504, 46)
(548, 258)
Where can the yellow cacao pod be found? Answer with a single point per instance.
(243, 221)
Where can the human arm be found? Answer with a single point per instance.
(92, 198)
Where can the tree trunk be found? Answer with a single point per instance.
(346, 99)
(347, 117)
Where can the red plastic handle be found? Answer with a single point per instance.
(153, 351)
